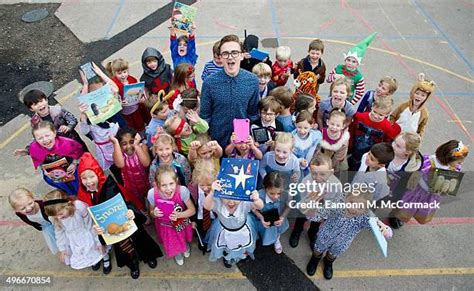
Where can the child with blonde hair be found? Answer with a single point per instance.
(283, 66)
(264, 75)
(387, 86)
(185, 132)
(340, 89)
(78, 244)
(203, 148)
(32, 212)
(306, 140)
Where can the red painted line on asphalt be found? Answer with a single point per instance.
(445, 220)
(328, 23)
(407, 67)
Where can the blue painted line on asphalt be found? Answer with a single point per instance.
(275, 25)
(114, 19)
(443, 33)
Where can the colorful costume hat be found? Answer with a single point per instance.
(423, 85)
(358, 51)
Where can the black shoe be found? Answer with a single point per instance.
(152, 263)
(327, 270)
(395, 223)
(96, 266)
(312, 265)
(294, 239)
(312, 243)
(108, 269)
(135, 272)
(227, 264)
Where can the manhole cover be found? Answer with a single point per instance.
(43, 86)
(35, 15)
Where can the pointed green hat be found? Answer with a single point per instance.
(358, 51)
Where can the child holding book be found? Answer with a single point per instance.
(137, 116)
(350, 69)
(340, 229)
(171, 206)
(232, 235)
(183, 48)
(271, 220)
(32, 212)
(269, 109)
(95, 188)
(77, 241)
(49, 148)
(243, 150)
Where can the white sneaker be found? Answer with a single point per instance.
(187, 253)
(179, 259)
(278, 247)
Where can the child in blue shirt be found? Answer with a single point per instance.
(214, 65)
(183, 48)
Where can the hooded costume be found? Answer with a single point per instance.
(251, 42)
(409, 120)
(158, 79)
(139, 246)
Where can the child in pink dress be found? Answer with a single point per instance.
(171, 206)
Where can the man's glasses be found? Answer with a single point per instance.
(232, 54)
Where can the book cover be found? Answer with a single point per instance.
(88, 71)
(57, 171)
(238, 178)
(102, 104)
(258, 54)
(132, 93)
(112, 216)
(445, 182)
(183, 16)
(381, 241)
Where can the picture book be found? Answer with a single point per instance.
(57, 171)
(258, 54)
(183, 17)
(238, 178)
(88, 71)
(381, 241)
(445, 182)
(102, 104)
(111, 215)
(132, 93)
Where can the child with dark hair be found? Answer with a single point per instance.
(284, 96)
(373, 170)
(213, 65)
(183, 48)
(183, 79)
(269, 109)
(157, 74)
(251, 42)
(313, 62)
(64, 121)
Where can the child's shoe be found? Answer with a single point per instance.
(179, 259)
(152, 263)
(135, 271)
(278, 247)
(327, 271)
(187, 253)
(96, 266)
(107, 267)
(227, 264)
(312, 265)
(294, 239)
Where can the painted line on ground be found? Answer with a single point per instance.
(238, 276)
(114, 19)
(443, 33)
(320, 36)
(275, 25)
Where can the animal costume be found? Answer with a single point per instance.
(306, 83)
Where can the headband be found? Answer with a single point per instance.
(161, 99)
(461, 150)
(178, 131)
(55, 201)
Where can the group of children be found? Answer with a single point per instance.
(159, 152)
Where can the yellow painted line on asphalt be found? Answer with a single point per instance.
(239, 276)
(27, 125)
(399, 272)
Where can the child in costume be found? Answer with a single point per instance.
(306, 140)
(157, 74)
(204, 175)
(77, 241)
(137, 116)
(160, 111)
(313, 63)
(369, 128)
(387, 86)
(48, 148)
(171, 206)
(232, 235)
(183, 48)
(448, 156)
(283, 66)
(185, 132)
(214, 65)
(203, 148)
(32, 212)
(339, 89)
(335, 140)
(350, 69)
(64, 121)
(166, 153)
(412, 115)
(340, 229)
(407, 160)
(273, 197)
(282, 160)
(131, 156)
(95, 188)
